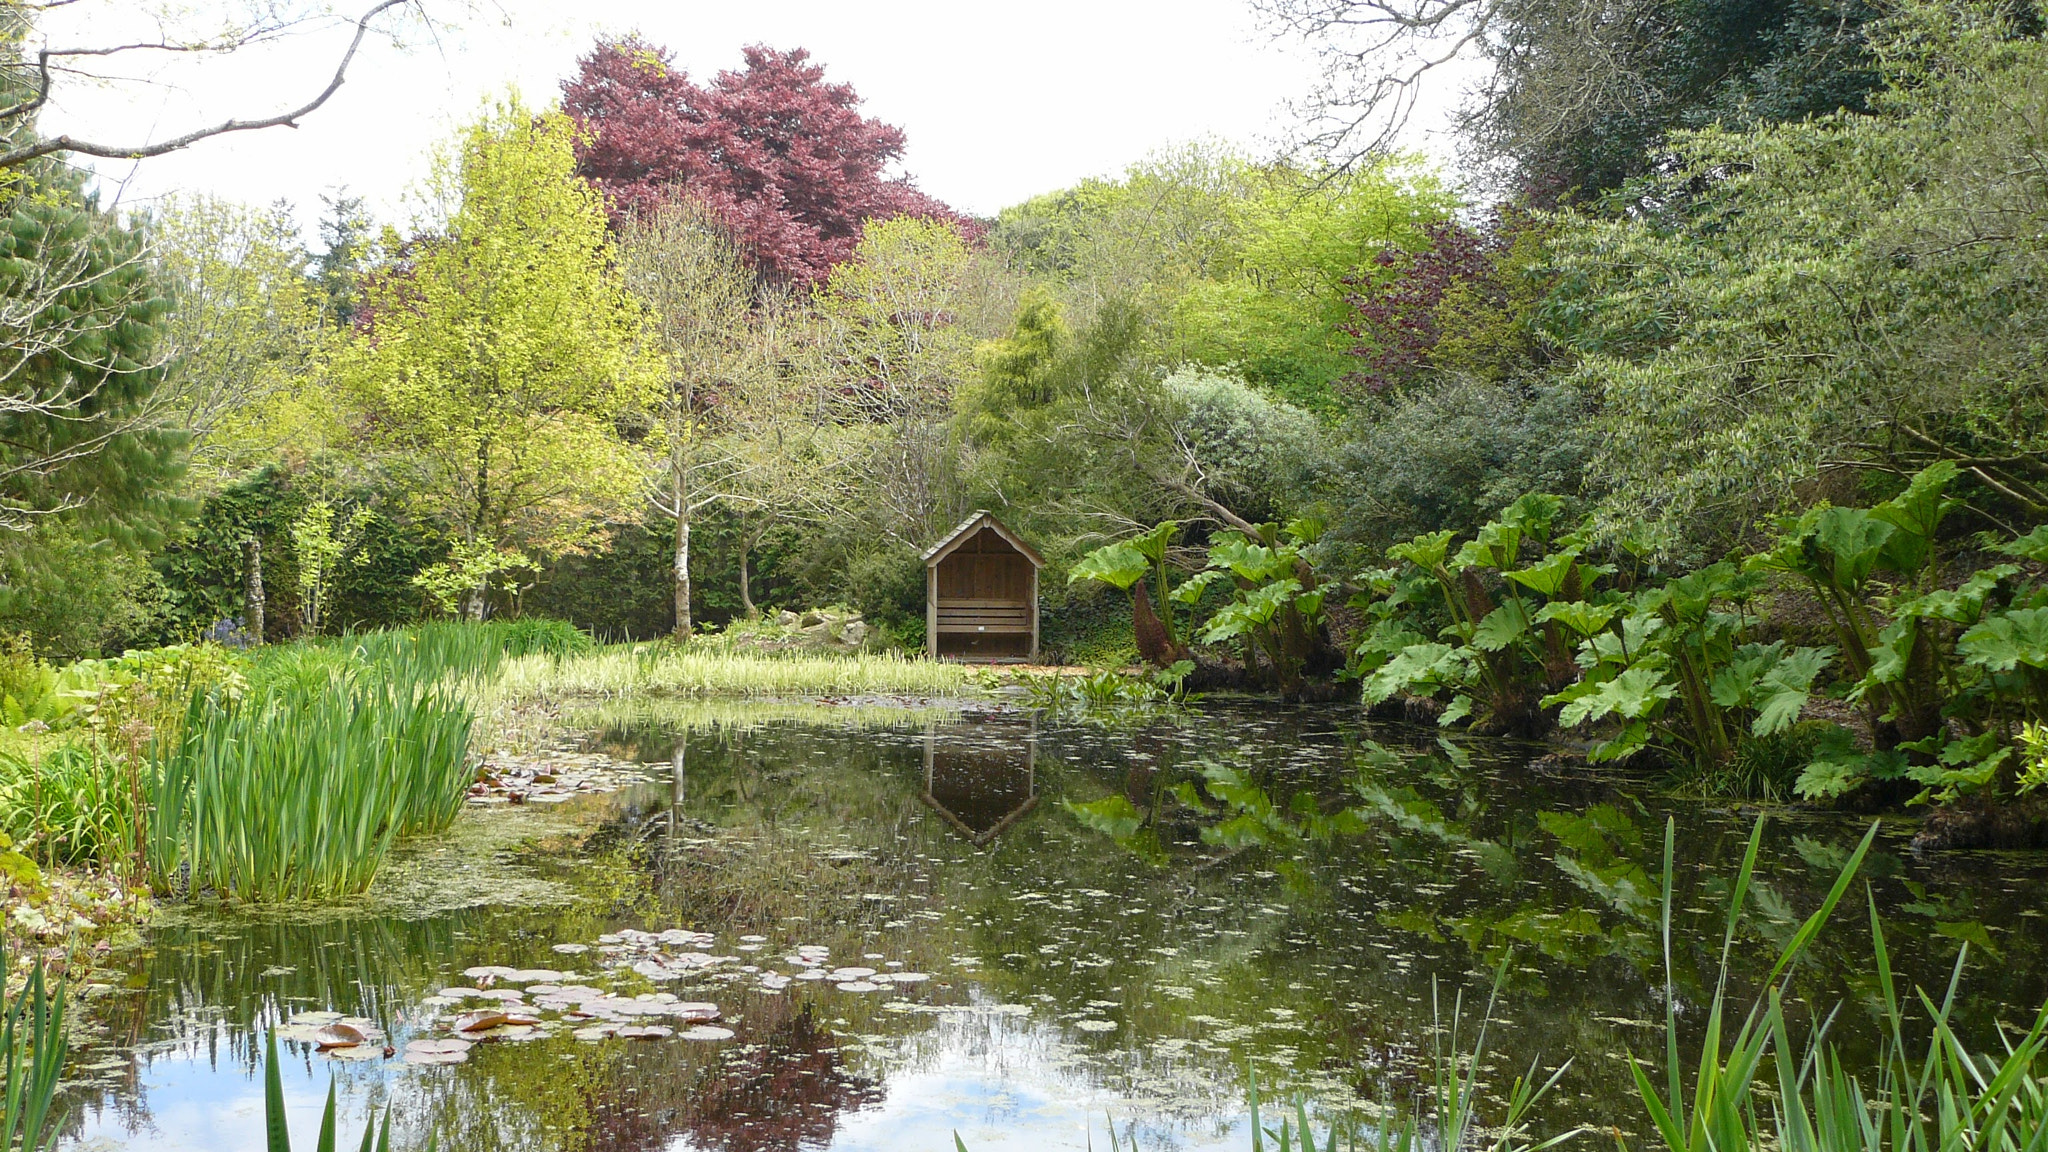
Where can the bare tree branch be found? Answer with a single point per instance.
(1376, 57)
(23, 153)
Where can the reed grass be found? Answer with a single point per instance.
(299, 791)
(665, 669)
(1767, 1087)
(33, 1043)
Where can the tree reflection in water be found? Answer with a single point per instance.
(786, 1090)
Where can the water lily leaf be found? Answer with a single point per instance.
(478, 1021)
(338, 1036)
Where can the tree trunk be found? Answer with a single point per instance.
(473, 605)
(746, 584)
(252, 589)
(682, 572)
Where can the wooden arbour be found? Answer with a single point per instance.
(981, 594)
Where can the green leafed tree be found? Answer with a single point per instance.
(247, 335)
(893, 341)
(502, 347)
(1233, 262)
(1844, 294)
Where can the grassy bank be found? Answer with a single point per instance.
(662, 669)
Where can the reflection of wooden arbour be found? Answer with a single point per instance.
(981, 593)
(982, 779)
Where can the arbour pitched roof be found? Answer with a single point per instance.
(982, 518)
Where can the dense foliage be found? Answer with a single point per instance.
(784, 158)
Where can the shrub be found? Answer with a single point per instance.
(1454, 454)
(74, 806)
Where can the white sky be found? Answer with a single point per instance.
(1000, 101)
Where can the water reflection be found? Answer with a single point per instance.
(1307, 885)
(982, 779)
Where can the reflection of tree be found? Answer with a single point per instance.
(783, 1091)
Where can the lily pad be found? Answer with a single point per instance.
(706, 1032)
(437, 1051)
(339, 1036)
(509, 1032)
(478, 1021)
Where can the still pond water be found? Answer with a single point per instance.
(1042, 976)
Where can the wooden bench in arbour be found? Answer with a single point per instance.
(981, 594)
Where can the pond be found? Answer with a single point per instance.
(906, 932)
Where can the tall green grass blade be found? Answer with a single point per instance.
(33, 1046)
(277, 1136)
(1811, 928)
(327, 1137)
